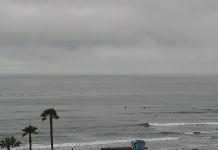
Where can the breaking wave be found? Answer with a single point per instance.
(183, 124)
(42, 146)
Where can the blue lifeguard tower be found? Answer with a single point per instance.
(138, 144)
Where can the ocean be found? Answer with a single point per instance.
(182, 110)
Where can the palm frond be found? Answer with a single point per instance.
(30, 129)
(49, 112)
(12, 142)
(17, 144)
(2, 144)
(43, 115)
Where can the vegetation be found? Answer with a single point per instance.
(9, 142)
(51, 113)
(30, 130)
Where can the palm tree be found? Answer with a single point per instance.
(9, 142)
(52, 114)
(30, 130)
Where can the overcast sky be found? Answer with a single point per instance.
(109, 36)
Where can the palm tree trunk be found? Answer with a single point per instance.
(51, 132)
(30, 141)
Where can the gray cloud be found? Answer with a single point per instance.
(109, 36)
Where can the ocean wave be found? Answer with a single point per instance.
(183, 124)
(185, 112)
(165, 133)
(198, 132)
(42, 146)
(184, 147)
(203, 132)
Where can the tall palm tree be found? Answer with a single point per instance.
(9, 142)
(30, 130)
(51, 113)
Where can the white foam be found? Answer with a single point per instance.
(189, 133)
(41, 146)
(201, 132)
(205, 132)
(196, 145)
(183, 147)
(182, 124)
(162, 139)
